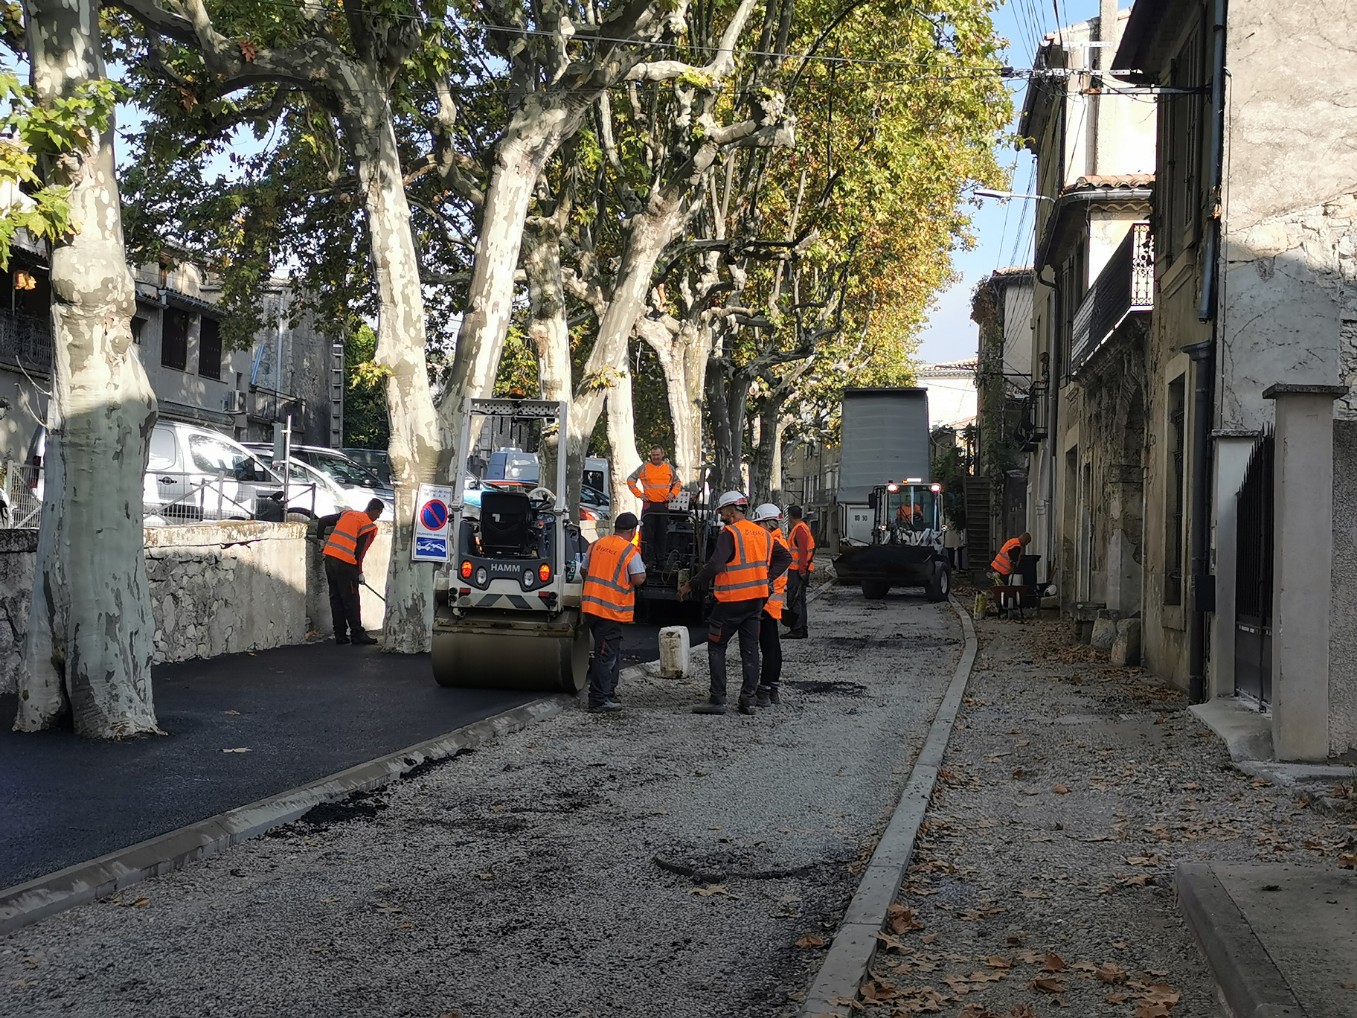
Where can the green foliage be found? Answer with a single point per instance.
(38, 132)
(951, 467)
(365, 410)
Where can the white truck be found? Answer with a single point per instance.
(890, 512)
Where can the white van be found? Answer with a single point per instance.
(195, 473)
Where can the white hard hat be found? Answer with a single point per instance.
(734, 498)
(766, 513)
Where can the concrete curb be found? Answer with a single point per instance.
(43, 896)
(835, 990)
(1247, 981)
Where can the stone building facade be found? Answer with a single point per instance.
(1255, 229)
(1094, 152)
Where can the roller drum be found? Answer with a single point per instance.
(504, 650)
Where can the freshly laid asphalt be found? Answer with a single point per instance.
(299, 713)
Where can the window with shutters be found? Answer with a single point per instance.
(209, 348)
(174, 327)
(1177, 491)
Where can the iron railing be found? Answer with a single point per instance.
(187, 498)
(1123, 288)
(26, 341)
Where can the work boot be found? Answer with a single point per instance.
(607, 707)
(711, 707)
(774, 695)
(793, 635)
(341, 639)
(746, 705)
(764, 700)
(362, 640)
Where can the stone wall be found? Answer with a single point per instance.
(216, 589)
(1343, 600)
(18, 552)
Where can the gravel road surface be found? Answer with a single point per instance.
(1042, 880)
(651, 863)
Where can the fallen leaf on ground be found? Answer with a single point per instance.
(1061, 790)
(1047, 984)
(1054, 963)
(810, 940)
(707, 890)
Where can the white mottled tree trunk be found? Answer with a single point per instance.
(550, 333)
(683, 350)
(621, 424)
(90, 633)
(417, 444)
(533, 136)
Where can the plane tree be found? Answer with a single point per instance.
(88, 649)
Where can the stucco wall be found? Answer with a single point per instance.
(215, 589)
(1292, 93)
(1343, 601)
(1290, 310)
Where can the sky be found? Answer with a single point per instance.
(1003, 229)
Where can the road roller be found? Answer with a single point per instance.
(507, 604)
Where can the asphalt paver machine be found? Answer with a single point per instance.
(507, 605)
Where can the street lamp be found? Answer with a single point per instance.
(984, 192)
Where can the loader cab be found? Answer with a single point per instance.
(907, 513)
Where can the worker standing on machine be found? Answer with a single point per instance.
(654, 482)
(769, 517)
(739, 570)
(802, 543)
(351, 534)
(613, 569)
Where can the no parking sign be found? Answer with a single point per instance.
(433, 531)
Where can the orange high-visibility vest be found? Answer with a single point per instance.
(777, 600)
(802, 548)
(607, 587)
(343, 542)
(1003, 564)
(657, 483)
(745, 576)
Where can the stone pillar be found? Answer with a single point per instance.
(1302, 570)
(1126, 516)
(1232, 451)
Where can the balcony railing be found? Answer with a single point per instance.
(1124, 287)
(26, 341)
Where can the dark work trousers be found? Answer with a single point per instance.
(654, 532)
(342, 578)
(794, 614)
(606, 664)
(770, 649)
(727, 619)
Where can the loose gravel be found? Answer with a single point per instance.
(653, 863)
(1042, 880)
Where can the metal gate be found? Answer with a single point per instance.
(1253, 577)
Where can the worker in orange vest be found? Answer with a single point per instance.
(350, 535)
(654, 482)
(740, 569)
(769, 517)
(613, 571)
(802, 543)
(1005, 564)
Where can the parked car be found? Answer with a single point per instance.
(194, 474)
(312, 493)
(354, 478)
(375, 460)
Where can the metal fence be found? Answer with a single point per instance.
(169, 499)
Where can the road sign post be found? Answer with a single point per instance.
(433, 529)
